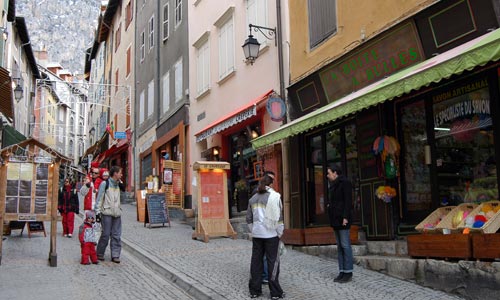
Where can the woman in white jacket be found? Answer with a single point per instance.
(265, 221)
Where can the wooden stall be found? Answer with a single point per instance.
(213, 213)
(29, 173)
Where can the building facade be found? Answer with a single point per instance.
(399, 74)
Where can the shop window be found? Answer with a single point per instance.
(416, 186)
(464, 142)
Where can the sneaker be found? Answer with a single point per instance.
(339, 277)
(346, 278)
(116, 260)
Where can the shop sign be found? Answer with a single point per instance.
(120, 135)
(276, 108)
(247, 113)
(378, 59)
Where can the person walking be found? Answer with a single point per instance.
(88, 190)
(265, 222)
(339, 207)
(67, 206)
(108, 212)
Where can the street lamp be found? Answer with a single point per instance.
(18, 92)
(251, 46)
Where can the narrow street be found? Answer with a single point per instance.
(25, 274)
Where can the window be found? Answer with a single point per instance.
(226, 49)
(203, 68)
(166, 92)
(129, 13)
(322, 20)
(151, 32)
(335, 145)
(143, 46)
(129, 60)
(464, 144)
(141, 108)
(151, 97)
(178, 80)
(178, 12)
(257, 15)
(118, 37)
(165, 21)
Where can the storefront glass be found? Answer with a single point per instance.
(416, 173)
(465, 158)
(339, 147)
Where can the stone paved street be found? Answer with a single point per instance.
(215, 270)
(25, 274)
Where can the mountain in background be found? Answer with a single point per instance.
(65, 28)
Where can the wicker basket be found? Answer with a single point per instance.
(433, 218)
(491, 226)
(447, 222)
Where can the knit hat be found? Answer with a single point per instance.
(89, 214)
(103, 172)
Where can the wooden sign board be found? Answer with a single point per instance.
(156, 210)
(140, 197)
(213, 213)
(36, 227)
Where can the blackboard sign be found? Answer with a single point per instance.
(36, 227)
(156, 209)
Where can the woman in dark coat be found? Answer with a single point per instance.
(339, 210)
(67, 206)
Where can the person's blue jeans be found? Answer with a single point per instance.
(344, 250)
(265, 274)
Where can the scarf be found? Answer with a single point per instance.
(273, 209)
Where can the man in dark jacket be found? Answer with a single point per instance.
(339, 210)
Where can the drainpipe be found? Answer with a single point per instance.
(285, 144)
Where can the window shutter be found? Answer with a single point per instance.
(322, 20)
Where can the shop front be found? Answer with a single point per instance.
(437, 118)
(233, 135)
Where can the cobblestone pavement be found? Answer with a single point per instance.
(219, 269)
(25, 273)
(183, 269)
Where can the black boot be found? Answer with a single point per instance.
(339, 277)
(346, 278)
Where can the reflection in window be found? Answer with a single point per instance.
(465, 157)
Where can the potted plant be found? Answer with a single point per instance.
(241, 185)
(241, 194)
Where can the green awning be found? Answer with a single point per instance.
(11, 136)
(477, 52)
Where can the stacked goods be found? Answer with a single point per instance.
(455, 217)
(485, 218)
(431, 221)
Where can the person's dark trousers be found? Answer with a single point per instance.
(269, 247)
(111, 229)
